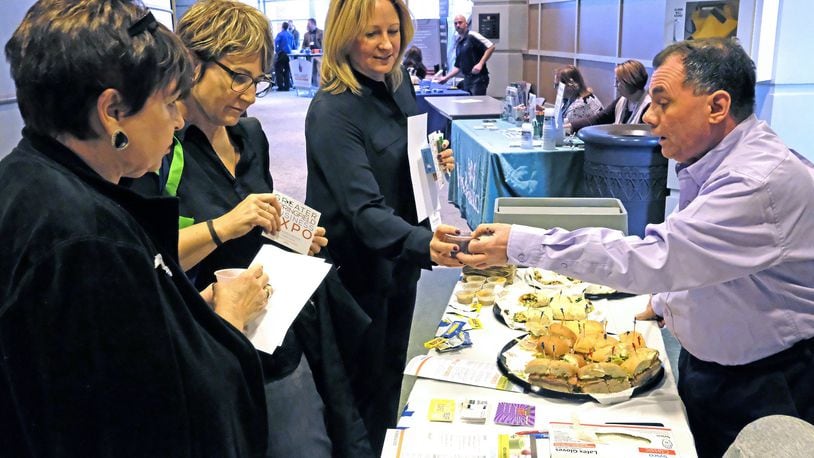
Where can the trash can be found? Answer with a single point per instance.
(624, 161)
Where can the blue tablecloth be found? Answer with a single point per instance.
(435, 120)
(488, 167)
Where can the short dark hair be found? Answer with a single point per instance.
(633, 74)
(312, 21)
(715, 64)
(285, 25)
(65, 53)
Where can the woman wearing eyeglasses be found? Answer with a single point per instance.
(222, 180)
(629, 106)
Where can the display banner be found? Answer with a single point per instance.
(427, 38)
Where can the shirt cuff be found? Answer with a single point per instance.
(525, 247)
(658, 301)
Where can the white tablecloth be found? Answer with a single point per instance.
(659, 405)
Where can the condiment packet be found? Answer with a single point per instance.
(441, 410)
(456, 342)
(474, 410)
(454, 328)
(512, 414)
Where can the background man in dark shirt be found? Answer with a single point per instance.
(472, 51)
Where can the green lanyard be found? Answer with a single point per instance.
(174, 179)
(176, 169)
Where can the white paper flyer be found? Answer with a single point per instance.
(294, 278)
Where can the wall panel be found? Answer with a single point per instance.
(598, 27)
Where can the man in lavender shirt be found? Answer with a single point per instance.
(732, 270)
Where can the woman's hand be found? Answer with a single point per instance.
(488, 246)
(318, 242)
(441, 252)
(256, 210)
(446, 158)
(242, 299)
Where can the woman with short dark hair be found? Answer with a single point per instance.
(629, 106)
(106, 349)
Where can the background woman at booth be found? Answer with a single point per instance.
(630, 106)
(107, 348)
(579, 101)
(358, 177)
(414, 61)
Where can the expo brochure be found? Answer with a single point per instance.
(298, 226)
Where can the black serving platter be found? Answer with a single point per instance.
(540, 391)
(608, 296)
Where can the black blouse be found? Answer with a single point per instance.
(208, 190)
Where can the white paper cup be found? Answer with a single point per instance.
(227, 275)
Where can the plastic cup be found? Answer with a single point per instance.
(227, 275)
(471, 287)
(485, 297)
(479, 279)
(461, 240)
(464, 297)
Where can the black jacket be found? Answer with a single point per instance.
(358, 177)
(106, 349)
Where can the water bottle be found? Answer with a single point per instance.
(537, 123)
(526, 136)
(549, 130)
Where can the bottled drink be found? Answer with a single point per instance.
(526, 136)
(537, 124)
(549, 130)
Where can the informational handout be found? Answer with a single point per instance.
(464, 442)
(425, 189)
(467, 372)
(294, 278)
(611, 440)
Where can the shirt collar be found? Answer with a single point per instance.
(191, 132)
(377, 88)
(701, 168)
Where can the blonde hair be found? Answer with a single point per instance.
(345, 22)
(212, 29)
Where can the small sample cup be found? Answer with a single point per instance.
(227, 275)
(461, 240)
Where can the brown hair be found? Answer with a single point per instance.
(214, 28)
(346, 20)
(572, 73)
(632, 74)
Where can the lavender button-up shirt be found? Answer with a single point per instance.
(732, 269)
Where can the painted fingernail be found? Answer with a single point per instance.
(457, 232)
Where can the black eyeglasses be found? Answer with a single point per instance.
(242, 82)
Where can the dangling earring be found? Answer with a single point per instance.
(119, 140)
